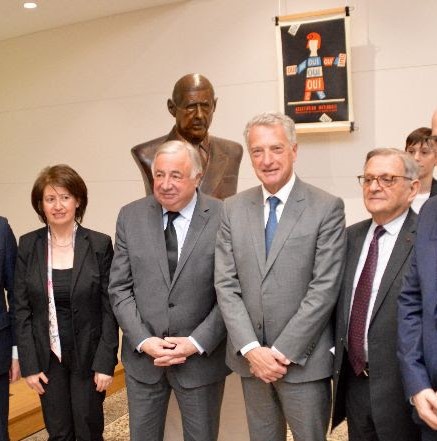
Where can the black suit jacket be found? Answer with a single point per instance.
(221, 174)
(94, 326)
(8, 251)
(390, 410)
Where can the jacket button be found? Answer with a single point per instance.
(259, 326)
(170, 305)
(75, 310)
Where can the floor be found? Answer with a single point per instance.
(233, 425)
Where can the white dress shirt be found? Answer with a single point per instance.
(386, 244)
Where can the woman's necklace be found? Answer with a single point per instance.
(62, 245)
(65, 245)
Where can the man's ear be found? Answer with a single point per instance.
(171, 106)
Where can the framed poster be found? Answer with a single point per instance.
(314, 70)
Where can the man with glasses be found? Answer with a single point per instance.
(367, 383)
(420, 145)
(192, 105)
(417, 346)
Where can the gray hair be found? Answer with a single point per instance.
(272, 119)
(410, 165)
(172, 147)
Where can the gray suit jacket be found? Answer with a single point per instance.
(390, 410)
(147, 304)
(287, 300)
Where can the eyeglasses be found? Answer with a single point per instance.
(383, 181)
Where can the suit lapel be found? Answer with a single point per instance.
(355, 245)
(198, 221)
(81, 246)
(293, 209)
(400, 253)
(255, 221)
(41, 252)
(154, 234)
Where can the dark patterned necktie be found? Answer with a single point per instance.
(272, 222)
(171, 242)
(358, 317)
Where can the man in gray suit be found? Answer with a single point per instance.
(279, 259)
(162, 292)
(367, 381)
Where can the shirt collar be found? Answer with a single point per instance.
(283, 193)
(394, 226)
(188, 210)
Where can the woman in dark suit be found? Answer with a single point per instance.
(67, 334)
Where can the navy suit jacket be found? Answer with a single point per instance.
(8, 252)
(417, 313)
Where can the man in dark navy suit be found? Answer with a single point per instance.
(417, 333)
(9, 368)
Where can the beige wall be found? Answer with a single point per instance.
(85, 94)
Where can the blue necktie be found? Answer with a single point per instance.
(272, 222)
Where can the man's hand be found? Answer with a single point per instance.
(162, 351)
(426, 405)
(157, 347)
(266, 364)
(183, 348)
(14, 371)
(102, 381)
(34, 382)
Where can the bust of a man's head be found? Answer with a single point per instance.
(192, 104)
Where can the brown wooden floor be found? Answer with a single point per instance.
(25, 415)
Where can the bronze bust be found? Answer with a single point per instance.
(192, 105)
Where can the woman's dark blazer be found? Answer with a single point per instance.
(95, 329)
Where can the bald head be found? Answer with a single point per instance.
(193, 105)
(188, 83)
(434, 123)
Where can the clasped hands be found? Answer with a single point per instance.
(267, 364)
(169, 350)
